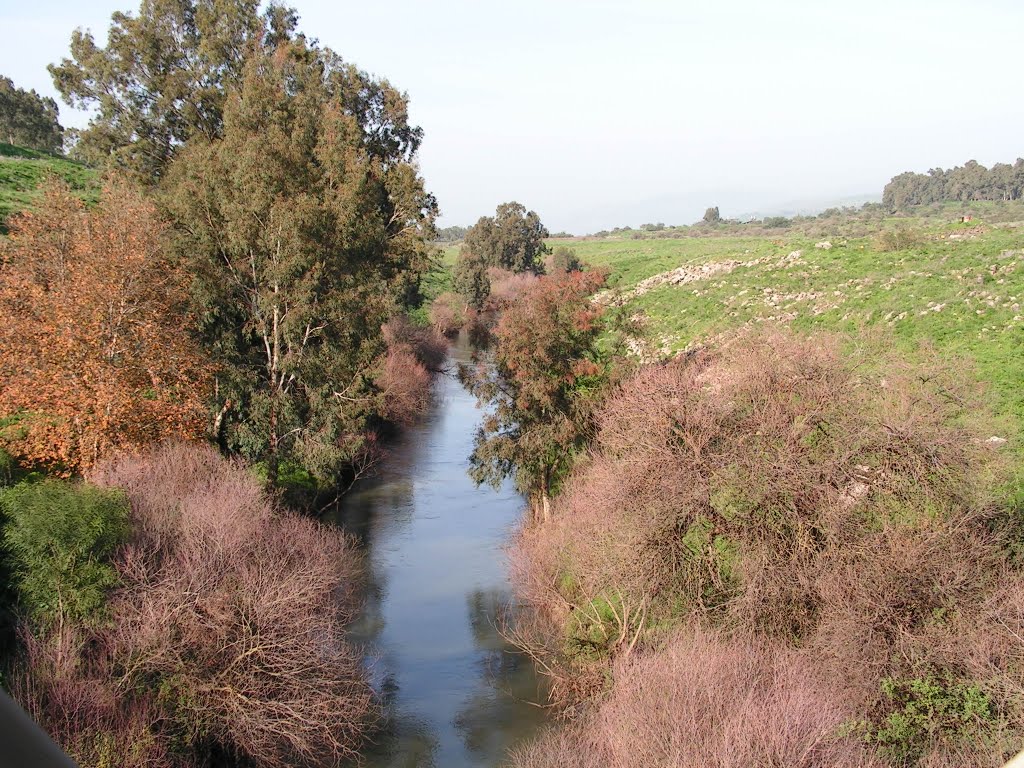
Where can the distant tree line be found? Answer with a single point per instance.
(451, 234)
(28, 119)
(971, 181)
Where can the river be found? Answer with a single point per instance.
(456, 693)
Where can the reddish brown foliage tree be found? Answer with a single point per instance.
(548, 375)
(94, 351)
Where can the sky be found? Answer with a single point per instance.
(599, 114)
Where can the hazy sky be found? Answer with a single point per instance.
(599, 114)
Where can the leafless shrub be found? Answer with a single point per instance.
(70, 691)
(405, 384)
(799, 489)
(405, 375)
(506, 286)
(703, 700)
(427, 345)
(228, 630)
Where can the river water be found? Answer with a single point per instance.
(456, 693)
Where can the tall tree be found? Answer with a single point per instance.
(302, 222)
(512, 239)
(972, 181)
(94, 348)
(548, 375)
(470, 278)
(29, 120)
(163, 76)
(712, 216)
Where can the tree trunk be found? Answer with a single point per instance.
(217, 431)
(272, 453)
(545, 500)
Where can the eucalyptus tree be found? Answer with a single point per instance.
(163, 76)
(28, 119)
(512, 239)
(303, 221)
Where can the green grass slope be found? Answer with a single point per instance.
(960, 286)
(23, 170)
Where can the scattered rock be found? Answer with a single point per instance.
(824, 245)
(995, 441)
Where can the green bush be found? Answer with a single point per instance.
(59, 539)
(918, 711)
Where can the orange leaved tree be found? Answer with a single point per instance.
(94, 349)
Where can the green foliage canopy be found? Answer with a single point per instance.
(971, 181)
(548, 375)
(60, 539)
(28, 119)
(303, 223)
(512, 239)
(163, 76)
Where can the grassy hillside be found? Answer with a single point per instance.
(927, 277)
(23, 170)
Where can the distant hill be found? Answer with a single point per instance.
(23, 170)
(811, 207)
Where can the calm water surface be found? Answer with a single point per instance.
(457, 694)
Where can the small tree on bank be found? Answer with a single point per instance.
(548, 375)
(712, 216)
(511, 240)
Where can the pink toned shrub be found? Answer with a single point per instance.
(707, 702)
(507, 286)
(72, 692)
(427, 345)
(405, 384)
(793, 490)
(240, 607)
(405, 375)
(227, 632)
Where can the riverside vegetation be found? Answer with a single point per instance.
(205, 341)
(786, 525)
(773, 466)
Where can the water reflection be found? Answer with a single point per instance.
(456, 693)
(510, 682)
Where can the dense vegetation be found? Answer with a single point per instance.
(242, 280)
(972, 181)
(509, 243)
(172, 612)
(29, 120)
(802, 539)
(817, 503)
(774, 467)
(96, 354)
